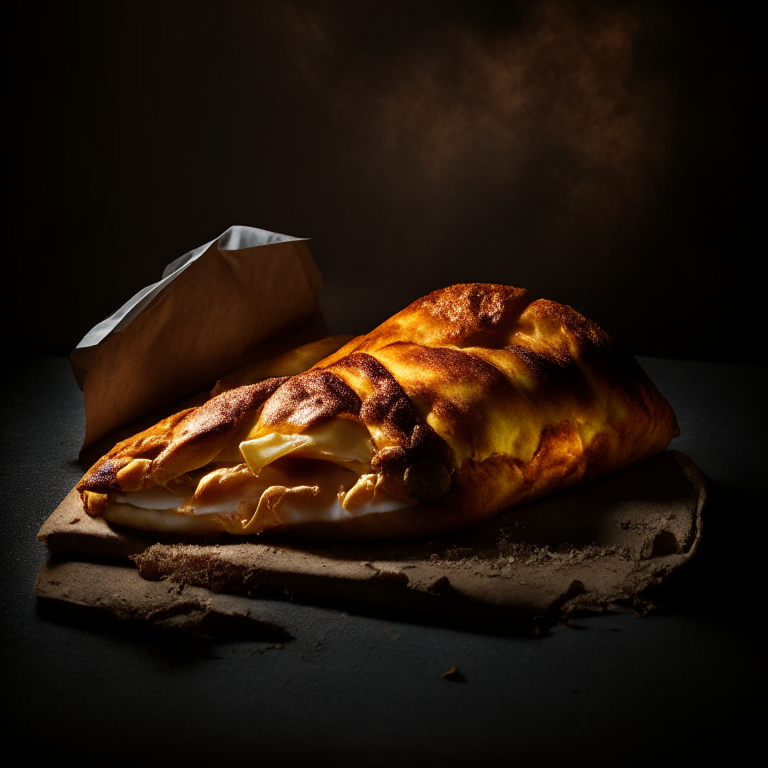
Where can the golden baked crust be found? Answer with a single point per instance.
(475, 398)
(169, 450)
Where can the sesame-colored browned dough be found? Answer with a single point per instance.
(477, 398)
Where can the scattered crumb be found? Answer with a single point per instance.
(454, 675)
(75, 520)
(459, 553)
(270, 647)
(573, 625)
(509, 553)
(564, 554)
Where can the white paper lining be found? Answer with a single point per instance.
(234, 239)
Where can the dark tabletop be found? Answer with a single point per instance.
(364, 686)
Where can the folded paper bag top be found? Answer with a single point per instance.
(209, 314)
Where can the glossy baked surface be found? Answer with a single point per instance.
(473, 399)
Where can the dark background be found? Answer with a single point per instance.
(601, 154)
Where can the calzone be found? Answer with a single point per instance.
(469, 401)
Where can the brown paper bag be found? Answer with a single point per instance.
(216, 309)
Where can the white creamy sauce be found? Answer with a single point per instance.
(161, 499)
(156, 497)
(334, 511)
(291, 509)
(222, 508)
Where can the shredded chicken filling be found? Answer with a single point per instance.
(322, 474)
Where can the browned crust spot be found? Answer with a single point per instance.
(308, 399)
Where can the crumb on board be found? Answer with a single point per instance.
(454, 675)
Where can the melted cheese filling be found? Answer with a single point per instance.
(343, 442)
(322, 474)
